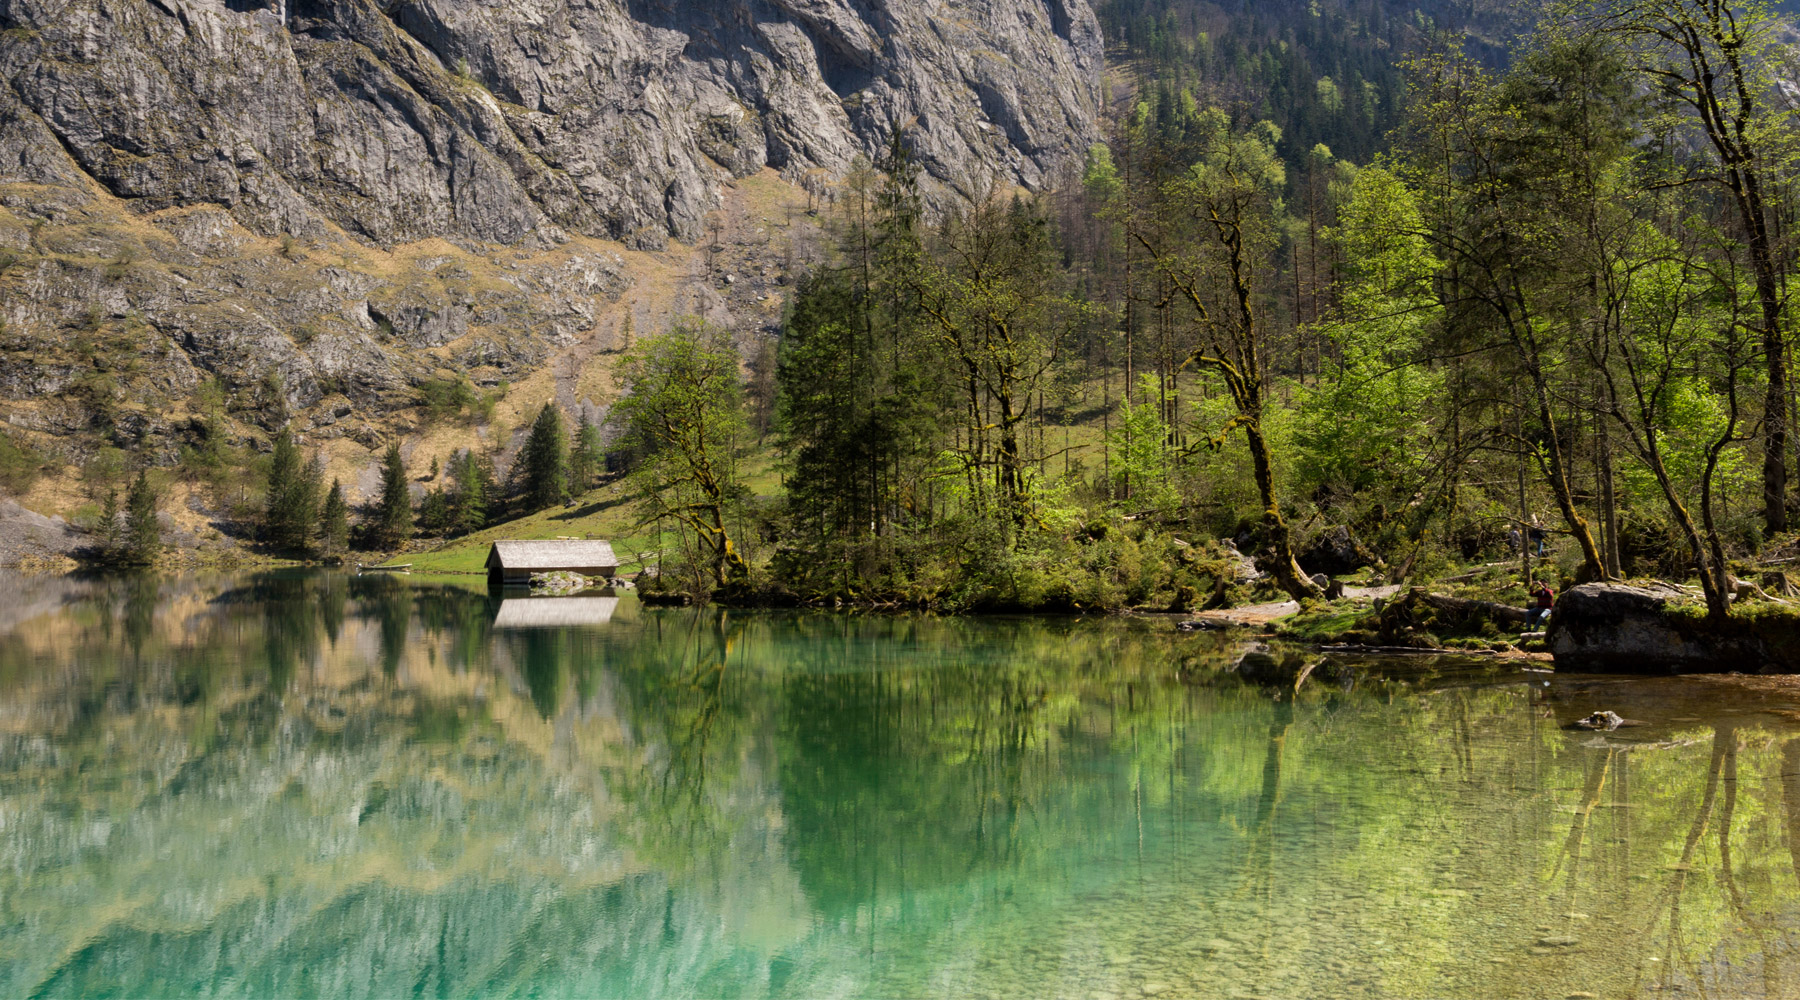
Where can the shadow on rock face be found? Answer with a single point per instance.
(1610, 628)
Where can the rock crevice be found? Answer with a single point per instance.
(510, 123)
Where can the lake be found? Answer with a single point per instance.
(313, 784)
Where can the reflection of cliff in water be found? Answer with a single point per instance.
(311, 783)
(349, 797)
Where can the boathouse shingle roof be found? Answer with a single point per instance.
(552, 554)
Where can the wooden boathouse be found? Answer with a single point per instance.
(511, 563)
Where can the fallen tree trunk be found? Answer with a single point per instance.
(1419, 619)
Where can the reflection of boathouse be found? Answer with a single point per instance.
(553, 612)
(511, 563)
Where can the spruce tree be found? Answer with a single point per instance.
(393, 520)
(545, 461)
(584, 456)
(290, 509)
(473, 487)
(334, 521)
(109, 524)
(434, 512)
(143, 536)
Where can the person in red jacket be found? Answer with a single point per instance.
(1544, 599)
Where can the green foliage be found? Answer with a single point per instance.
(544, 462)
(682, 408)
(20, 465)
(476, 493)
(585, 456)
(1366, 424)
(106, 523)
(272, 396)
(142, 540)
(108, 469)
(291, 502)
(461, 504)
(455, 398)
(394, 514)
(1138, 460)
(1100, 176)
(334, 521)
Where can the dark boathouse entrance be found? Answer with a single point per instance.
(511, 563)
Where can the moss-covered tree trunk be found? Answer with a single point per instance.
(1287, 571)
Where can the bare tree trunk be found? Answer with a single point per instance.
(1609, 510)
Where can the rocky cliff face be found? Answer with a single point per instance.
(525, 121)
(324, 205)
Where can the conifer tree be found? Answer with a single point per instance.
(334, 521)
(584, 456)
(143, 536)
(472, 486)
(109, 523)
(290, 510)
(434, 512)
(394, 518)
(544, 462)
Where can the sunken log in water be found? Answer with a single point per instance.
(1611, 628)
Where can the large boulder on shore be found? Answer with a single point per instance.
(1335, 550)
(1611, 628)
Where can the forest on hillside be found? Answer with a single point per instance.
(1549, 294)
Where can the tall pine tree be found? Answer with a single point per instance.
(394, 518)
(143, 536)
(544, 462)
(290, 510)
(584, 456)
(334, 521)
(472, 492)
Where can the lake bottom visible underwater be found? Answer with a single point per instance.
(318, 784)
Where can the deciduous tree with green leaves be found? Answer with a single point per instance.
(1212, 233)
(681, 403)
(1720, 60)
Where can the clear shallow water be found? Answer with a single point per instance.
(322, 785)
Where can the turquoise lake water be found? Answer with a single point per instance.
(324, 785)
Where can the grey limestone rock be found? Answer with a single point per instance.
(241, 190)
(518, 122)
(1612, 628)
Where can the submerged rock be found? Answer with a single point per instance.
(1612, 628)
(1603, 720)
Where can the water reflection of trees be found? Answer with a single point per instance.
(894, 776)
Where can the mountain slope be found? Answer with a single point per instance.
(521, 122)
(324, 208)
